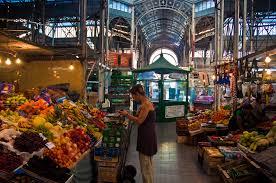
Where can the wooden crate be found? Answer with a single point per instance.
(107, 174)
(209, 169)
(181, 139)
(228, 179)
(211, 163)
(195, 137)
(200, 151)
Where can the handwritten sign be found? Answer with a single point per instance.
(174, 111)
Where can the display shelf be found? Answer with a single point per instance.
(226, 177)
(259, 168)
(43, 179)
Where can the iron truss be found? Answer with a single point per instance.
(163, 20)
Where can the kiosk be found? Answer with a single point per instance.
(167, 86)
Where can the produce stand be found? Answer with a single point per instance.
(165, 90)
(203, 124)
(46, 137)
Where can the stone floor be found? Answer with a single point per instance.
(174, 163)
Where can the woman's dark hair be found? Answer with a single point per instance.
(137, 89)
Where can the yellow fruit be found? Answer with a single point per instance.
(48, 125)
(57, 128)
(38, 121)
(97, 135)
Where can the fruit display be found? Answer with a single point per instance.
(29, 142)
(256, 142)
(193, 126)
(221, 117)
(221, 141)
(57, 132)
(70, 114)
(36, 107)
(48, 168)
(11, 118)
(15, 100)
(65, 153)
(79, 137)
(9, 161)
(199, 118)
(234, 137)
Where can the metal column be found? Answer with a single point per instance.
(83, 40)
(221, 30)
(217, 53)
(244, 28)
(193, 33)
(107, 31)
(101, 70)
(43, 21)
(83, 31)
(132, 34)
(236, 51)
(53, 32)
(251, 27)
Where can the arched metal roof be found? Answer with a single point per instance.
(163, 20)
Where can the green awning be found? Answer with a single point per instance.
(161, 66)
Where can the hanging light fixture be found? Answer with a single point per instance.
(0, 61)
(213, 77)
(71, 67)
(267, 59)
(18, 61)
(8, 61)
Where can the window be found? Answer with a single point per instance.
(168, 55)
(129, 9)
(122, 7)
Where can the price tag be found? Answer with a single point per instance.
(60, 100)
(50, 145)
(42, 136)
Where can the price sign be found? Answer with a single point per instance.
(50, 145)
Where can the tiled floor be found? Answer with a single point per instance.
(174, 163)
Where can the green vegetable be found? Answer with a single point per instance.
(47, 133)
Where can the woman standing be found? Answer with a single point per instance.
(146, 140)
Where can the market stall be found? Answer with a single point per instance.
(45, 136)
(237, 156)
(167, 89)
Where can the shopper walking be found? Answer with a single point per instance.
(146, 140)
